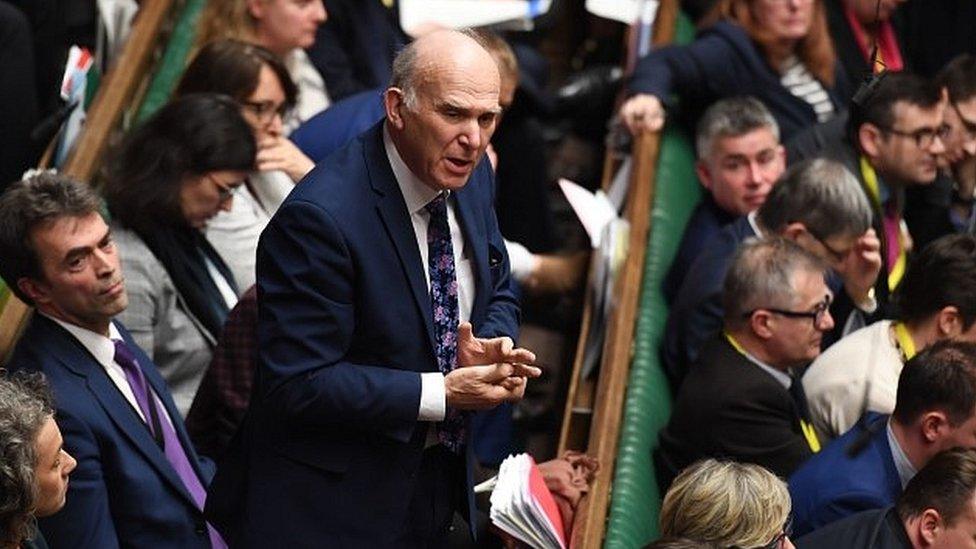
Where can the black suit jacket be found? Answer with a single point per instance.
(874, 529)
(728, 407)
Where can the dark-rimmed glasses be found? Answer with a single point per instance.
(265, 111)
(924, 137)
(224, 191)
(816, 315)
(837, 255)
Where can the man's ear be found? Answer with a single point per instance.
(949, 322)
(794, 230)
(36, 290)
(256, 8)
(868, 137)
(393, 101)
(929, 527)
(759, 322)
(704, 174)
(933, 424)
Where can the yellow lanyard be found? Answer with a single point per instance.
(871, 181)
(808, 432)
(905, 342)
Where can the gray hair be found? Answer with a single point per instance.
(39, 199)
(732, 117)
(762, 275)
(25, 406)
(823, 195)
(726, 503)
(407, 72)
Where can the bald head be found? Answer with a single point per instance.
(437, 51)
(442, 107)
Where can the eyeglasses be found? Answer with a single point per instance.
(787, 531)
(265, 111)
(224, 190)
(968, 125)
(817, 314)
(837, 255)
(924, 137)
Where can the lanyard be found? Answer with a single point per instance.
(874, 190)
(905, 342)
(805, 426)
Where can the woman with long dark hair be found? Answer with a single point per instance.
(169, 178)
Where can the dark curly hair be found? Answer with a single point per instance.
(25, 405)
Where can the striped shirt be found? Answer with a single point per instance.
(801, 83)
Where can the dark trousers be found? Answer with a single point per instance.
(439, 493)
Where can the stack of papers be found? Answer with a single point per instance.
(523, 506)
(456, 14)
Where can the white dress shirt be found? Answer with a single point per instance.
(416, 195)
(103, 349)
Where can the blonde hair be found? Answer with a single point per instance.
(223, 19)
(726, 503)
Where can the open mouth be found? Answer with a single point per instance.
(459, 165)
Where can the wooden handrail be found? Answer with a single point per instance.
(601, 429)
(112, 99)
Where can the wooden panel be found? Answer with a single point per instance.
(600, 427)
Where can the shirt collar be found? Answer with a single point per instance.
(416, 193)
(100, 347)
(902, 464)
(751, 217)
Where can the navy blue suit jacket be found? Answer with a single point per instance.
(833, 485)
(345, 329)
(331, 129)
(124, 492)
(696, 313)
(705, 222)
(724, 62)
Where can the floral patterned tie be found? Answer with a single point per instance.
(444, 305)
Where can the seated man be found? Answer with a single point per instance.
(936, 300)
(818, 205)
(139, 482)
(739, 160)
(948, 203)
(893, 146)
(870, 465)
(937, 509)
(741, 401)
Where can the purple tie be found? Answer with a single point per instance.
(444, 304)
(156, 419)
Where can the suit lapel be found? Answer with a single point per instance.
(392, 210)
(76, 358)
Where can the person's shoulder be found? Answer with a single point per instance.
(853, 353)
(858, 530)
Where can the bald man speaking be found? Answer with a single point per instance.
(385, 317)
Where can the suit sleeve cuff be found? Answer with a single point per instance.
(433, 397)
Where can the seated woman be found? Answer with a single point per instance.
(728, 504)
(34, 466)
(778, 51)
(169, 178)
(259, 82)
(285, 27)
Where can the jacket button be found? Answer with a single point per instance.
(201, 529)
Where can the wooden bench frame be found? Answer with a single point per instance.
(594, 409)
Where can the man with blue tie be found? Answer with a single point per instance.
(385, 315)
(138, 483)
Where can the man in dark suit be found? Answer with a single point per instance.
(139, 482)
(937, 510)
(869, 465)
(742, 401)
(358, 428)
(739, 160)
(819, 206)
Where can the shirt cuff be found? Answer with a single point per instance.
(433, 397)
(869, 305)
